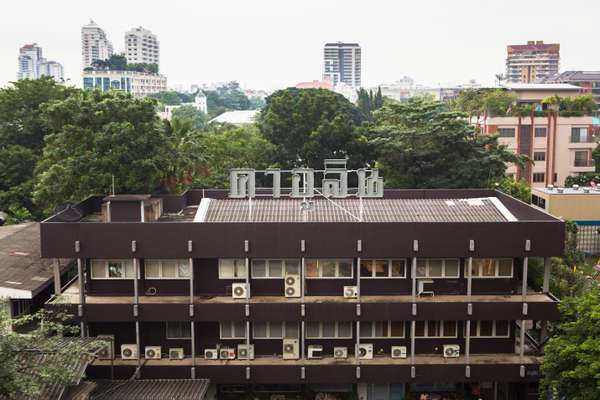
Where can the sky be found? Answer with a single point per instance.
(271, 44)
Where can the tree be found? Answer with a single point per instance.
(422, 145)
(378, 100)
(564, 281)
(517, 189)
(573, 257)
(493, 102)
(583, 179)
(226, 97)
(97, 136)
(307, 126)
(571, 366)
(37, 359)
(172, 97)
(188, 112)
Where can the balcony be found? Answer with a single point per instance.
(584, 163)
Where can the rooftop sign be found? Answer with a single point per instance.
(334, 180)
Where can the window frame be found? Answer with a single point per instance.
(181, 324)
(504, 128)
(389, 330)
(538, 175)
(389, 275)
(337, 331)
(428, 275)
(232, 328)
(543, 158)
(535, 132)
(285, 325)
(107, 276)
(268, 270)
(441, 329)
(496, 268)
(161, 266)
(494, 335)
(233, 277)
(337, 268)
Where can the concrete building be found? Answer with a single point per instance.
(138, 84)
(237, 117)
(315, 85)
(32, 65)
(531, 62)
(589, 81)
(141, 46)
(342, 63)
(94, 44)
(200, 103)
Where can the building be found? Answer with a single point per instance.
(579, 204)
(535, 93)
(531, 62)
(32, 65)
(315, 85)
(200, 103)
(138, 84)
(342, 63)
(589, 81)
(237, 117)
(380, 293)
(141, 46)
(94, 44)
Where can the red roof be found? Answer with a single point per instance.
(315, 85)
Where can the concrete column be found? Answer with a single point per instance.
(56, 270)
(522, 347)
(357, 359)
(193, 344)
(136, 275)
(413, 273)
(81, 281)
(547, 272)
(524, 283)
(469, 278)
(358, 279)
(191, 267)
(302, 339)
(247, 280)
(139, 348)
(468, 342)
(303, 280)
(412, 341)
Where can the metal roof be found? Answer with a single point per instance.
(541, 86)
(487, 209)
(151, 389)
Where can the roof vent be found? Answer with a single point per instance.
(575, 187)
(586, 190)
(550, 187)
(560, 190)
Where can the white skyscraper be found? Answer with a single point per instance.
(33, 66)
(141, 46)
(342, 64)
(94, 44)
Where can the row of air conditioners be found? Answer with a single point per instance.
(130, 351)
(291, 351)
(244, 352)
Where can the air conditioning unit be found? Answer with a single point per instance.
(245, 352)
(240, 290)
(398, 351)
(292, 285)
(211, 354)
(340, 353)
(315, 351)
(291, 349)
(451, 350)
(107, 352)
(350, 292)
(152, 352)
(365, 351)
(425, 287)
(129, 352)
(226, 353)
(176, 353)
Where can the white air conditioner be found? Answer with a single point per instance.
(245, 352)
(129, 352)
(152, 352)
(350, 292)
(365, 351)
(425, 287)
(107, 352)
(226, 354)
(315, 351)
(291, 349)
(292, 285)
(240, 290)
(211, 354)
(451, 350)
(340, 353)
(176, 353)
(398, 351)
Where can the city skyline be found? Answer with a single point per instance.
(433, 42)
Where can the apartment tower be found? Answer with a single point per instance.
(531, 62)
(94, 44)
(141, 46)
(342, 63)
(32, 65)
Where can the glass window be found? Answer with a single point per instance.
(328, 329)
(232, 330)
(421, 268)
(327, 268)
(398, 268)
(451, 268)
(539, 156)
(485, 328)
(179, 330)
(169, 269)
(98, 269)
(502, 328)
(183, 269)
(292, 267)
(345, 269)
(239, 330)
(312, 270)
(366, 329)
(232, 268)
(435, 268)
(381, 268)
(366, 268)
(397, 329)
(345, 329)
(449, 328)
(312, 329)
(505, 267)
(381, 329)
(488, 267)
(226, 330)
(259, 269)
(538, 177)
(419, 328)
(275, 269)
(433, 329)
(473, 328)
(259, 330)
(275, 330)
(540, 132)
(506, 132)
(291, 330)
(116, 269)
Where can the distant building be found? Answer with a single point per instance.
(342, 63)
(94, 44)
(32, 65)
(588, 80)
(531, 62)
(315, 85)
(138, 84)
(141, 46)
(200, 103)
(237, 117)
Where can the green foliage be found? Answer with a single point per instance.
(578, 106)
(582, 180)
(17, 215)
(517, 189)
(572, 257)
(197, 117)
(571, 365)
(422, 145)
(20, 380)
(493, 102)
(307, 126)
(564, 281)
(98, 135)
(368, 102)
(118, 62)
(226, 98)
(172, 97)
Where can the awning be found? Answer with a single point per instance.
(144, 389)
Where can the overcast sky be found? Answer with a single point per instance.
(276, 43)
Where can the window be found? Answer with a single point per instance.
(328, 268)
(167, 269)
(491, 268)
(275, 330)
(112, 269)
(435, 329)
(490, 329)
(579, 135)
(329, 330)
(538, 201)
(383, 268)
(506, 132)
(381, 329)
(263, 269)
(581, 159)
(437, 268)
(179, 330)
(232, 268)
(540, 132)
(539, 156)
(232, 330)
(538, 177)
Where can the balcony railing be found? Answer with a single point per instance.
(584, 163)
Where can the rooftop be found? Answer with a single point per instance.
(172, 389)
(237, 117)
(574, 76)
(569, 191)
(541, 86)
